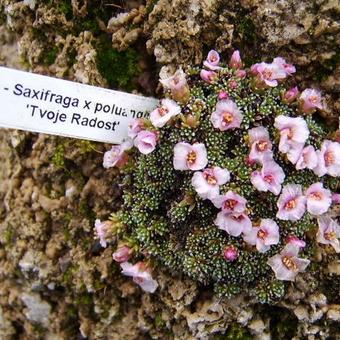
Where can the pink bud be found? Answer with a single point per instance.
(223, 95)
(122, 254)
(208, 76)
(292, 239)
(230, 253)
(290, 95)
(233, 84)
(235, 60)
(336, 198)
(241, 74)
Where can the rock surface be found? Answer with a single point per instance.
(56, 282)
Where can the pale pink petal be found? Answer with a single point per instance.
(291, 203)
(222, 175)
(212, 60)
(233, 223)
(201, 157)
(329, 232)
(146, 141)
(307, 159)
(230, 202)
(181, 151)
(310, 100)
(203, 188)
(208, 76)
(226, 115)
(161, 115)
(319, 199)
(294, 152)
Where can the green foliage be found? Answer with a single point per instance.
(118, 68)
(164, 216)
(235, 332)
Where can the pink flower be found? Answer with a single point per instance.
(103, 230)
(287, 68)
(190, 157)
(178, 86)
(263, 236)
(207, 182)
(328, 159)
(319, 199)
(260, 144)
(146, 141)
(136, 126)
(235, 60)
(223, 95)
(269, 178)
(253, 69)
(208, 76)
(141, 275)
(329, 232)
(168, 109)
(307, 159)
(291, 203)
(287, 264)
(212, 61)
(310, 100)
(230, 253)
(230, 202)
(292, 239)
(122, 254)
(336, 198)
(293, 135)
(268, 74)
(241, 74)
(226, 115)
(233, 223)
(290, 95)
(116, 156)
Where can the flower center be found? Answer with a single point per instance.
(289, 263)
(267, 74)
(316, 196)
(230, 204)
(209, 177)
(262, 234)
(237, 218)
(162, 111)
(330, 236)
(291, 204)
(313, 99)
(329, 158)
(262, 145)
(227, 117)
(268, 178)
(138, 279)
(213, 58)
(191, 157)
(290, 133)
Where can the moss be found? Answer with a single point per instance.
(8, 235)
(283, 323)
(58, 159)
(118, 68)
(235, 332)
(49, 56)
(86, 211)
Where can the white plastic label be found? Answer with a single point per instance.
(43, 104)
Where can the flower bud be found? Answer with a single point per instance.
(290, 95)
(230, 253)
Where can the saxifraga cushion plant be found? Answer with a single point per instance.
(229, 181)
